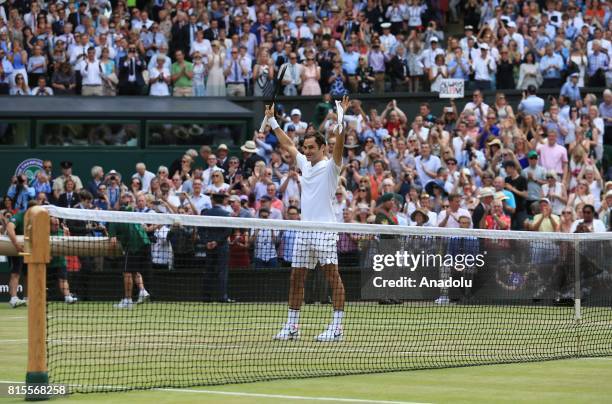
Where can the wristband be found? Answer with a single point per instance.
(273, 124)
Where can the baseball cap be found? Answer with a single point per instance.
(296, 111)
(532, 154)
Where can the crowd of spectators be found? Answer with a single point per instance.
(530, 167)
(236, 47)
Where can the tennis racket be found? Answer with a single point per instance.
(277, 88)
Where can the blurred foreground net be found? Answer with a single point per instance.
(416, 298)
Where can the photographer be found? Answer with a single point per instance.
(20, 192)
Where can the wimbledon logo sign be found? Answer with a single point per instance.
(30, 168)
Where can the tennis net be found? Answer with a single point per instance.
(155, 308)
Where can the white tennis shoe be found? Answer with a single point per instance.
(143, 296)
(69, 299)
(16, 302)
(332, 334)
(442, 300)
(289, 332)
(124, 304)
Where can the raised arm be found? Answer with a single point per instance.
(340, 134)
(285, 141)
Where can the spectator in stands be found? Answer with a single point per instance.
(531, 103)
(264, 241)
(588, 220)
(159, 79)
(235, 71)
(182, 75)
(131, 67)
(553, 156)
(449, 217)
(546, 220)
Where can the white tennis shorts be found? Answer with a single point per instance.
(313, 247)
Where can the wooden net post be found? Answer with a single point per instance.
(37, 255)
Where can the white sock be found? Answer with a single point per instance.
(338, 315)
(293, 317)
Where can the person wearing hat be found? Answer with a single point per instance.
(215, 241)
(570, 88)
(58, 183)
(387, 39)
(535, 175)
(546, 220)
(512, 34)
(429, 55)
(484, 66)
(222, 157)
(496, 219)
(419, 217)
(484, 207)
(468, 31)
(249, 158)
(296, 121)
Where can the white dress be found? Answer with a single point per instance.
(215, 86)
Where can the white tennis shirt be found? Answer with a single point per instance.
(319, 185)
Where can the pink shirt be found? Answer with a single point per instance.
(552, 158)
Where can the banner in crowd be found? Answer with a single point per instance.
(452, 88)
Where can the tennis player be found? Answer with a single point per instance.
(319, 184)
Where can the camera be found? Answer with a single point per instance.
(113, 178)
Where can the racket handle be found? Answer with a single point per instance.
(263, 124)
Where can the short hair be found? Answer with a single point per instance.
(319, 139)
(97, 170)
(85, 195)
(141, 165)
(588, 206)
(452, 197)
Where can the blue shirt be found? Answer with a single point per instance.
(570, 91)
(548, 61)
(459, 73)
(532, 105)
(24, 196)
(350, 61)
(596, 62)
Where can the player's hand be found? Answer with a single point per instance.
(269, 112)
(345, 103)
(113, 241)
(18, 247)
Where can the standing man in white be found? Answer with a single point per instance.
(319, 183)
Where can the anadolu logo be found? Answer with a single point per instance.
(30, 168)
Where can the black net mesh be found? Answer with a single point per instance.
(176, 301)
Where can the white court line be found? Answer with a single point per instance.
(596, 359)
(263, 395)
(285, 397)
